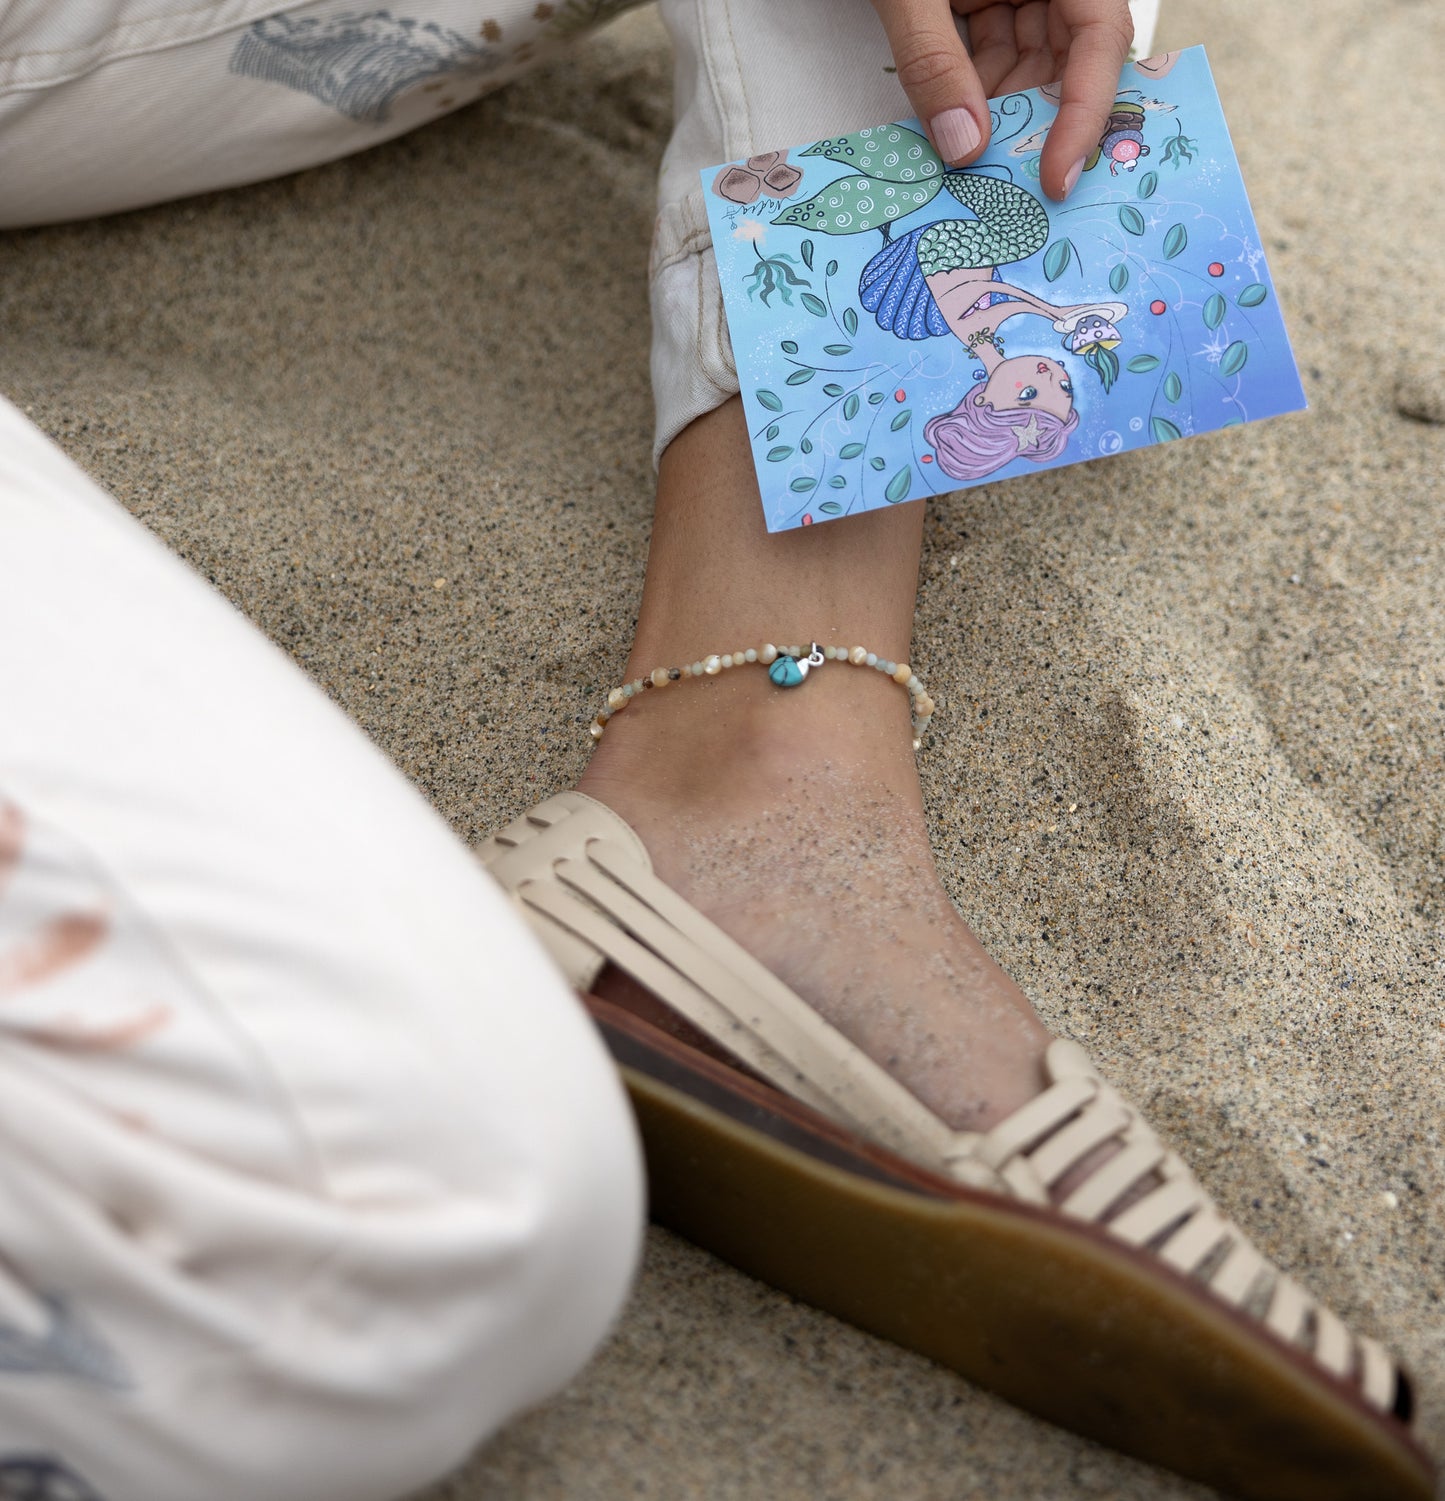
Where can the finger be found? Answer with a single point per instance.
(1037, 64)
(995, 50)
(936, 74)
(1097, 47)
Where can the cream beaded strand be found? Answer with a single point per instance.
(787, 667)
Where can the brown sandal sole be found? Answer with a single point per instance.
(1052, 1314)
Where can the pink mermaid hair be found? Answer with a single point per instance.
(973, 439)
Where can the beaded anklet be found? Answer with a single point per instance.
(787, 666)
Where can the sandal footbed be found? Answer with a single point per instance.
(1052, 1315)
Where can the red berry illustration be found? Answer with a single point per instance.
(1156, 307)
(807, 520)
(1216, 269)
(926, 458)
(898, 395)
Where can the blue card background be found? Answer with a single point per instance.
(837, 405)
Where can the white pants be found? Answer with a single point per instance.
(311, 1171)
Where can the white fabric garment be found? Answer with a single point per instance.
(312, 1170)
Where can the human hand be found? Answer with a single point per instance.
(1016, 44)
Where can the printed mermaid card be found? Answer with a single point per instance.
(902, 329)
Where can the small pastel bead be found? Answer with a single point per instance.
(885, 666)
(796, 651)
(659, 677)
(902, 673)
(914, 684)
(617, 699)
(924, 705)
(698, 668)
(727, 660)
(871, 660)
(830, 653)
(712, 666)
(858, 656)
(917, 745)
(595, 730)
(768, 654)
(637, 685)
(751, 654)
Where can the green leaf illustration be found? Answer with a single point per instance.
(1234, 357)
(1175, 241)
(875, 398)
(1142, 364)
(801, 377)
(1214, 311)
(1173, 387)
(1105, 364)
(1131, 219)
(838, 350)
(772, 431)
(1252, 295)
(788, 347)
(1235, 422)
(815, 305)
(838, 482)
(808, 254)
(876, 463)
(770, 401)
(778, 454)
(898, 485)
(1162, 428)
(850, 408)
(850, 450)
(806, 445)
(853, 205)
(890, 152)
(802, 486)
(1119, 278)
(831, 269)
(850, 321)
(831, 508)
(900, 421)
(1056, 258)
(832, 389)
(1147, 184)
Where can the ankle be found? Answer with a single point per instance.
(725, 741)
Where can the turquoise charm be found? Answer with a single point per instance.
(788, 672)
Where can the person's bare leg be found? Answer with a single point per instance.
(794, 819)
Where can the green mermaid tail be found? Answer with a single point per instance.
(1011, 226)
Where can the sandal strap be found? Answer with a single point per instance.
(576, 864)
(586, 884)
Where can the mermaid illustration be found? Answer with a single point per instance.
(944, 278)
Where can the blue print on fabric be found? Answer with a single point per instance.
(358, 64)
(69, 1346)
(33, 1477)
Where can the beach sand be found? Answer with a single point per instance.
(1186, 779)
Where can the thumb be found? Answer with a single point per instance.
(938, 76)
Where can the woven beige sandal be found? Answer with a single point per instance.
(773, 1141)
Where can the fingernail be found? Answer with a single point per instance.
(1072, 176)
(955, 134)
